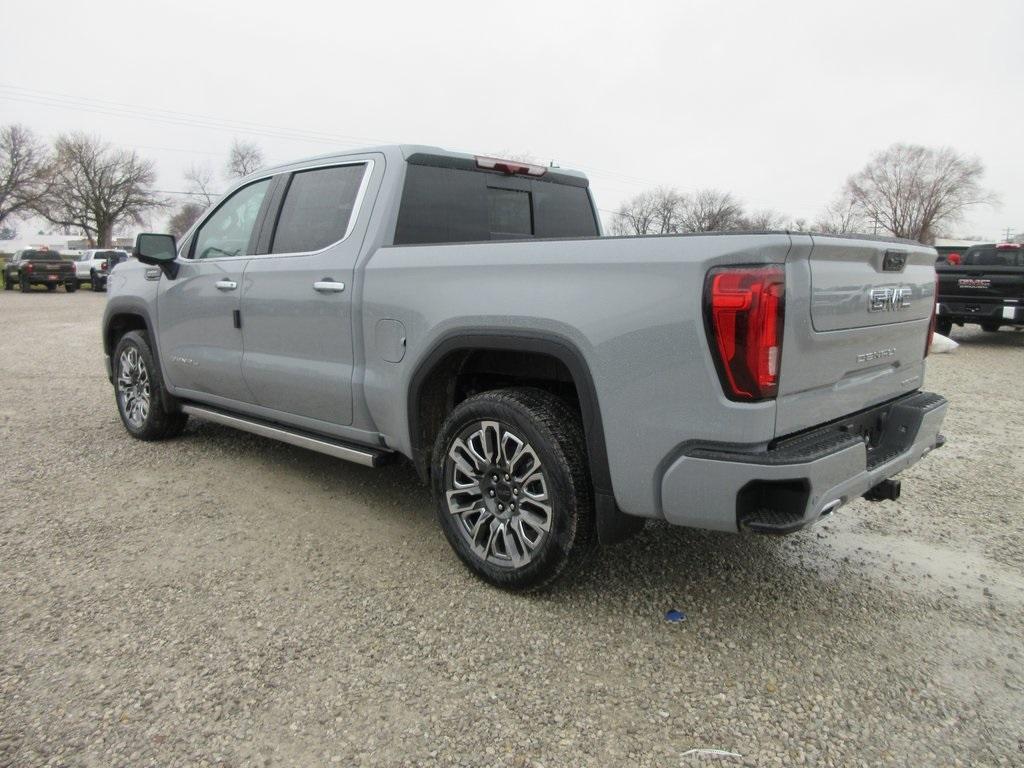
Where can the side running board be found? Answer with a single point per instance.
(368, 457)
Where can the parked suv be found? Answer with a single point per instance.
(555, 387)
(39, 266)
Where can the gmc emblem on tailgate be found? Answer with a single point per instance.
(974, 282)
(889, 299)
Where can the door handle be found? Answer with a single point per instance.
(226, 285)
(328, 286)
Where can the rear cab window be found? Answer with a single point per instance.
(448, 200)
(994, 256)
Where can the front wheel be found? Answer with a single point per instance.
(990, 326)
(139, 391)
(512, 487)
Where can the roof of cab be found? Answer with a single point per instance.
(396, 151)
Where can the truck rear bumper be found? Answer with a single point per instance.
(798, 480)
(1005, 312)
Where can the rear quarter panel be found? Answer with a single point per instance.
(632, 308)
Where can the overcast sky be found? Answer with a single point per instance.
(777, 102)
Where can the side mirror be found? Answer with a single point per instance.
(159, 251)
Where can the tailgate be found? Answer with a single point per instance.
(981, 284)
(857, 319)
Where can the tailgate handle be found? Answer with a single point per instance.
(328, 286)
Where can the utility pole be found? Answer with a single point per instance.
(1009, 234)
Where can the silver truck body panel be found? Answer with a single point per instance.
(342, 363)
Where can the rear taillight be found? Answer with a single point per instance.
(103, 266)
(744, 309)
(935, 311)
(28, 267)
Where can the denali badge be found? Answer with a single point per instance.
(876, 355)
(889, 300)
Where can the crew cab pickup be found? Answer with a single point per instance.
(986, 288)
(38, 266)
(555, 387)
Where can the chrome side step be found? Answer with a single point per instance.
(368, 457)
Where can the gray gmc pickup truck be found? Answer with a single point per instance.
(555, 387)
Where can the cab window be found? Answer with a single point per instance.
(228, 231)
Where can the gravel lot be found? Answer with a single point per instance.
(224, 599)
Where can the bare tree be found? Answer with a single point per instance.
(911, 191)
(185, 217)
(635, 216)
(709, 210)
(95, 187)
(24, 171)
(200, 182)
(654, 212)
(841, 217)
(764, 219)
(244, 158)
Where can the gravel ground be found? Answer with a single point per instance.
(224, 599)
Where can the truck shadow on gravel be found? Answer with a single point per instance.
(661, 558)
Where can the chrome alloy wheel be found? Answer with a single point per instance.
(495, 485)
(133, 387)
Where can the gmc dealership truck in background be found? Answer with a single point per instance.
(554, 386)
(985, 287)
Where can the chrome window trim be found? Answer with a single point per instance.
(357, 205)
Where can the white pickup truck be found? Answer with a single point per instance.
(93, 265)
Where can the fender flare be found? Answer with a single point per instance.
(549, 344)
(128, 306)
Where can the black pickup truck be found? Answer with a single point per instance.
(33, 266)
(985, 288)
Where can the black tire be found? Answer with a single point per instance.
(554, 432)
(990, 326)
(943, 326)
(8, 282)
(96, 284)
(25, 285)
(158, 423)
(51, 287)
(71, 286)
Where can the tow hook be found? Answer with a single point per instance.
(887, 490)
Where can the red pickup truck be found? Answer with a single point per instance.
(33, 266)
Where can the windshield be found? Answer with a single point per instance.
(40, 256)
(107, 254)
(991, 256)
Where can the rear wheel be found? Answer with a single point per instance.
(512, 487)
(943, 326)
(26, 286)
(72, 285)
(139, 391)
(990, 326)
(8, 282)
(95, 283)
(51, 287)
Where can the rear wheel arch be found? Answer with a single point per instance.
(433, 388)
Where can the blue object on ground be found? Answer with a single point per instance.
(675, 616)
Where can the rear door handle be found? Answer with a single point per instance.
(328, 286)
(226, 285)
